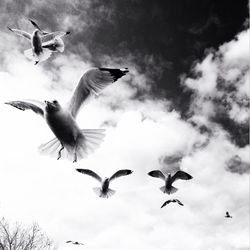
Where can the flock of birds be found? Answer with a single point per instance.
(70, 141)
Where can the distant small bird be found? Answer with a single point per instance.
(169, 180)
(74, 242)
(77, 142)
(104, 191)
(42, 42)
(169, 201)
(228, 215)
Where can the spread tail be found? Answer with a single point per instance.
(101, 194)
(168, 190)
(44, 55)
(89, 140)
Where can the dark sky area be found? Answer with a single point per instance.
(165, 38)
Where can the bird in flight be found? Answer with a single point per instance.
(228, 215)
(169, 179)
(74, 142)
(42, 43)
(169, 201)
(104, 191)
(74, 242)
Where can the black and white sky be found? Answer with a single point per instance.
(184, 105)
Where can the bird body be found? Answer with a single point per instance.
(169, 179)
(74, 242)
(62, 121)
(104, 191)
(228, 215)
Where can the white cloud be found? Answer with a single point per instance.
(37, 188)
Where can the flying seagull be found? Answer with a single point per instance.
(74, 242)
(77, 142)
(169, 201)
(228, 215)
(42, 43)
(169, 180)
(104, 191)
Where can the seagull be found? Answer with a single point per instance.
(74, 242)
(42, 43)
(169, 201)
(77, 142)
(228, 215)
(104, 191)
(169, 180)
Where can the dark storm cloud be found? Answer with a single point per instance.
(236, 165)
(162, 39)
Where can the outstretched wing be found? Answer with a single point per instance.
(120, 173)
(90, 173)
(37, 27)
(157, 174)
(165, 203)
(93, 81)
(179, 202)
(51, 36)
(181, 175)
(35, 106)
(21, 33)
(69, 241)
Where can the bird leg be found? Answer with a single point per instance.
(60, 152)
(75, 157)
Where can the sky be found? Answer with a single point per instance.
(183, 105)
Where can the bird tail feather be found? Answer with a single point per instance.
(88, 142)
(168, 190)
(101, 194)
(44, 55)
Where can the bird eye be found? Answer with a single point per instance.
(55, 102)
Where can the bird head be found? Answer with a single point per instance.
(52, 107)
(37, 32)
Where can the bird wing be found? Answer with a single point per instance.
(181, 175)
(37, 27)
(90, 173)
(21, 33)
(120, 173)
(157, 174)
(180, 203)
(51, 36)
(35, 106)
(93, 81)
(165, 203)
(69, 241)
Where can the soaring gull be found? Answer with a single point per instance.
(74, 242)
(169, 180)
(228, 215)
(42, 43)
(104, 191)
(169, 201)
(77, 142)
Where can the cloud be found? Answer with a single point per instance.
(143, 133)
(220, 88)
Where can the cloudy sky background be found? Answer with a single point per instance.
(184, 105)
